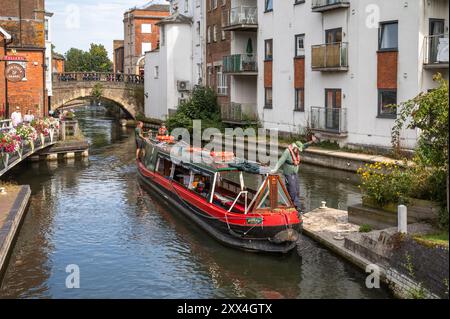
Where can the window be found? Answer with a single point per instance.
(299, 100)
(386, 98)
(186, 6)
(299, 1)
(208, 35)
(215, 33)
(268, 49)
(156, 72)
(146, 46)
(212, 4)
(146, 28)
(268, 98)
(269, 5)
(333, 36)
(46, 29)
(209, 76)
(221, 80)
(299, 45)
(223, 35)
(388, 36)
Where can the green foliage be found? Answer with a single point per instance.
(429, 113)
(385, 182)
(94, 60)
(201, 106)
(365, 228)
(97, 91)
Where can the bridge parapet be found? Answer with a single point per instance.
(98, 77)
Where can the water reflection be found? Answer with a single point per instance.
(129, 244)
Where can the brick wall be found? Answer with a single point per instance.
(215, 51)
(387, 70)
(2, 77)
(29, 94)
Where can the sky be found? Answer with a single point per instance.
(78, 23)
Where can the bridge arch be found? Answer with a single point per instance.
(127, 92)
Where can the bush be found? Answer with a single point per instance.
(385, 182)
(365, 228)
(201, 106)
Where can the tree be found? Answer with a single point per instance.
(98, 59)
(95, 60)
(77, 61)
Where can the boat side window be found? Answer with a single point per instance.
(149, 157)
(164, 166)
(201, 184)
(182, 175)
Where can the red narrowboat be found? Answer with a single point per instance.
(212, 193)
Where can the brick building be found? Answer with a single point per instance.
(5, 37)
(58, 63)
(218, 45)
(141, 34)
(118, 56)
(24, 20)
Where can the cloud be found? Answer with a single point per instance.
(78, 23)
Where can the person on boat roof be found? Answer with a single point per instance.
(289, 163)
(163, 131)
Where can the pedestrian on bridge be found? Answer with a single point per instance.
(16, 117)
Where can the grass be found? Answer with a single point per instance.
(435, 239)
(365, 228)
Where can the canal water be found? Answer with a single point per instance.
(94, 214)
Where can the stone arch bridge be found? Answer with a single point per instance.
(124, 89)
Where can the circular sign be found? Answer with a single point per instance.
(14, 72)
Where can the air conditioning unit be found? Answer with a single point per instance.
(181, 101)
(183, 86)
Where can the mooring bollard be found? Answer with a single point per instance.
(402, 219)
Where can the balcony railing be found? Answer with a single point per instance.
(240, 18)
(330, 57)
(436, 51)
(240, 63)
(332, 120)
(239, 113)
(325, 5)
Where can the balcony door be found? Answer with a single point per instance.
(333, 54)
(333, 36)
(437, 27)
(333, 98)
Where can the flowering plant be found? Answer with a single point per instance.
(26, 132)
(9, 142)
(52, 122)
(41, 127)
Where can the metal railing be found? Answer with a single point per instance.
(329, 56)
(316, 4)
(97, 77)
(436, 49)
(239, 112)
(240, 15)
(237, 63)
(329, 119)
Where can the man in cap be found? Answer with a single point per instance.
(289, 163)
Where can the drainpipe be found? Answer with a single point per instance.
(5, 44)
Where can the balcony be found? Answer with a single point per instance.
(326, 5)
(241, 64)
(329, 120)
(241, 18)
(239, 113)
(436, 51)
(330, 57)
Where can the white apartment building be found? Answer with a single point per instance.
(333, 66)
(48, 55)
(177, 66)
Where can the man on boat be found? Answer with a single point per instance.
(289, 163)
(139, 136)
(163, 131)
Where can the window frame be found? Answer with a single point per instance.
(266, 58)
(266, 2)
(380, 114)
(266, 104)
(380, 33)
(296, 106)
(297, 36)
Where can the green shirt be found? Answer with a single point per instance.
(285, 161)
(138, 133)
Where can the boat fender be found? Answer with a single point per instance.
(288, 235)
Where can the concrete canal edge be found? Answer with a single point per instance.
(12, 223)
(385, 251)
